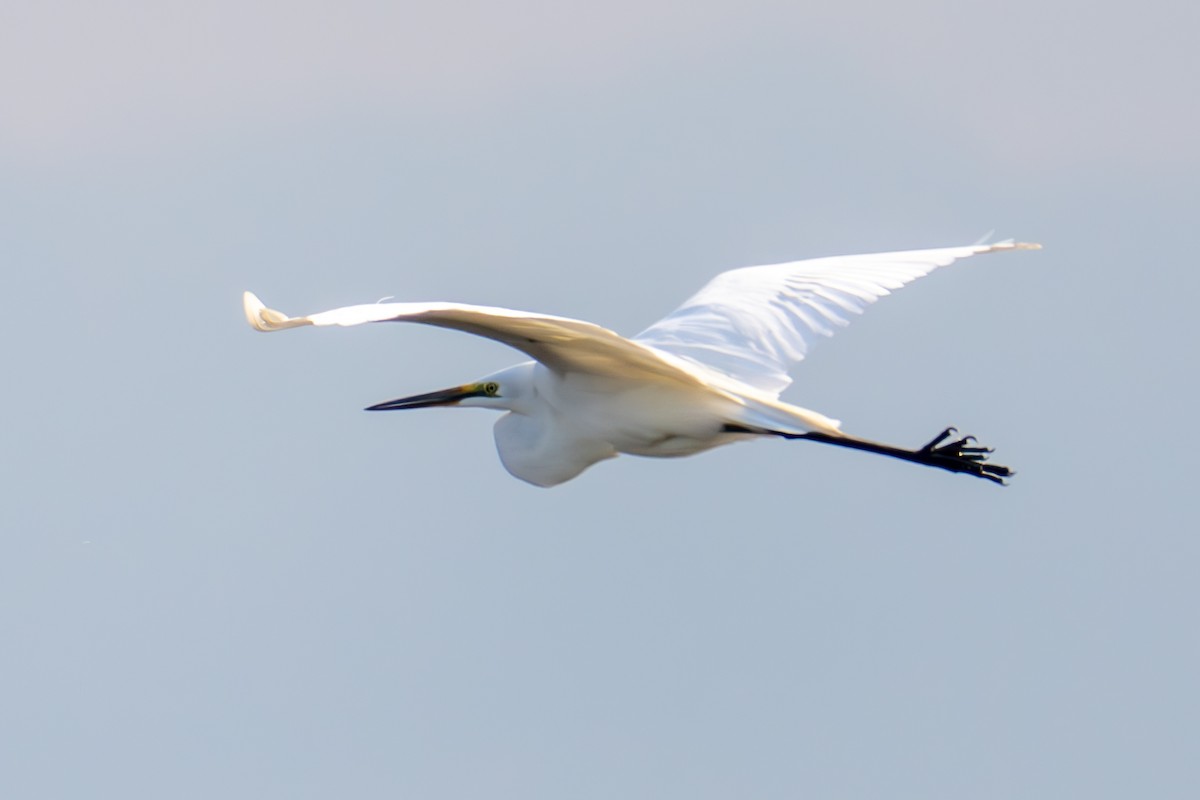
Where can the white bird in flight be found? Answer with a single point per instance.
(708, 374)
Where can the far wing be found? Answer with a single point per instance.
(754, 323)
(562, 344)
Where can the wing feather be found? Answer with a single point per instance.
(562, 344)
(754, 323)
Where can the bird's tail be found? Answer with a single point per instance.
(780, 417)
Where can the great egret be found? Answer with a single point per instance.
(708, 374)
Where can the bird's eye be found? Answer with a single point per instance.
(491, 389)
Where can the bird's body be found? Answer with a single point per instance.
(707, 375)
(565, 425)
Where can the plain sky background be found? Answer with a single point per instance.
(220, 578)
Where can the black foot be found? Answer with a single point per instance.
(963, 455)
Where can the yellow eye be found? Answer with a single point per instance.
(491, 389)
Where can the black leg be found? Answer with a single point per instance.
(960, 455)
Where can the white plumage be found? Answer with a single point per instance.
(707, 374)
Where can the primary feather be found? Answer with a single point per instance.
(753, 324)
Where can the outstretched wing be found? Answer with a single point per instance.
(562, 344)
(754, 323)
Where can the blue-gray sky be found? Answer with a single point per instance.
(219, 578)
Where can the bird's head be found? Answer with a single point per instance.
(501, 391)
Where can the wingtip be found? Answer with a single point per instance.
(253, 308)
(266, 319)
(1009, 244)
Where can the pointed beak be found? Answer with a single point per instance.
(443, 397)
